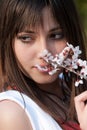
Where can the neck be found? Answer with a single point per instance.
(52, 88)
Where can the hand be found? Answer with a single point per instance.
(81, 109)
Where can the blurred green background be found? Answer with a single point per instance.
(82, 10)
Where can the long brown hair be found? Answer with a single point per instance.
(15, 15)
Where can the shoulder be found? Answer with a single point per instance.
(13, 117)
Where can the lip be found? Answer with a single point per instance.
(43, 68)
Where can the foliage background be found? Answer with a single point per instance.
(82, 10)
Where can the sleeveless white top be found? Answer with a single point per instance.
(40, 120)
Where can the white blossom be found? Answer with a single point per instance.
(68, 59)
(78, 82)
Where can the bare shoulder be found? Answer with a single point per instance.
(13, 117)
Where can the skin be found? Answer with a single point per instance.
(13, 117)
(81, 108)
(29, 45)
(27, 50)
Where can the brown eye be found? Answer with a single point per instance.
(57, 36)
(25, 38)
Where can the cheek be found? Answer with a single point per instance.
(23, 52)
(21, 55)
(24, 57)
(60, 46)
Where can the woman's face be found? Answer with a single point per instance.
(30, 43)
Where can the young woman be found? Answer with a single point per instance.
(30, 98)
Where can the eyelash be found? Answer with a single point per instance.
(57, 36)
(25, 38)
(29, 39)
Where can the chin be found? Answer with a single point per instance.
(45, 80)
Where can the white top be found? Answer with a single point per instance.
(40, 120)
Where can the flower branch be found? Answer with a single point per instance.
(69, 60)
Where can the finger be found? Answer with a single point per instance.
(80, 102)
(81, 97)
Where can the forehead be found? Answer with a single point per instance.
(47, 19)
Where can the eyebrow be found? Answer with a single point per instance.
(51, 30)
(55, 29)
(28, 31)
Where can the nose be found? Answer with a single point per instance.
(43, 45)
